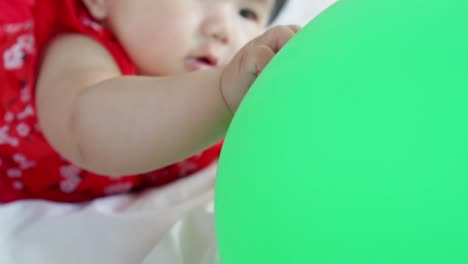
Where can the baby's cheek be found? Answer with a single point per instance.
(228, 58)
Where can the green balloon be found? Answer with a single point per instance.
(352, 146)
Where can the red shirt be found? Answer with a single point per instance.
(29, 166)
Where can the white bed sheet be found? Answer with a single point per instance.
(173, 224)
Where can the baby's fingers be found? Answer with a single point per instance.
(261, 56)
(276, 37)
(252, 62)
(295, 28)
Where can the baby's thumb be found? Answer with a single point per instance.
(255, 60)
(240, 76)
(263, 56)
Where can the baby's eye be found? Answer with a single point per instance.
(248, 14)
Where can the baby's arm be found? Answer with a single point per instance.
(117, 125)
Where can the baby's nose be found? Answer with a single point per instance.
(217, 23)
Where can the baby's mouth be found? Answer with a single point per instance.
(207, 60)
(202, 62)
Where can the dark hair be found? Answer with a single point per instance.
(279, 4)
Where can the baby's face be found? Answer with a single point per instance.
(165, 37)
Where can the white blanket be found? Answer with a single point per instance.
(173, 224)
(170, 225)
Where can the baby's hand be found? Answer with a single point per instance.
(244, 68)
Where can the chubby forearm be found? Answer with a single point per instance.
(117, 125)
(127, 125)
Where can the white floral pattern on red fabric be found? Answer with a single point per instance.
(71, 178)
(26, 95)
(23, 161)
(9, 117)
(14, 173)
(69, 185)
(18, 185)
(27, 112)
(92, 24)
(186, 167)
(23, 129)
(13, 57)
(6, 139)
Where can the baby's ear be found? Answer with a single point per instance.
(97, 8)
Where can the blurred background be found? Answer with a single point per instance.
(302, 11)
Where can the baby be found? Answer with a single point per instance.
(100, 97)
